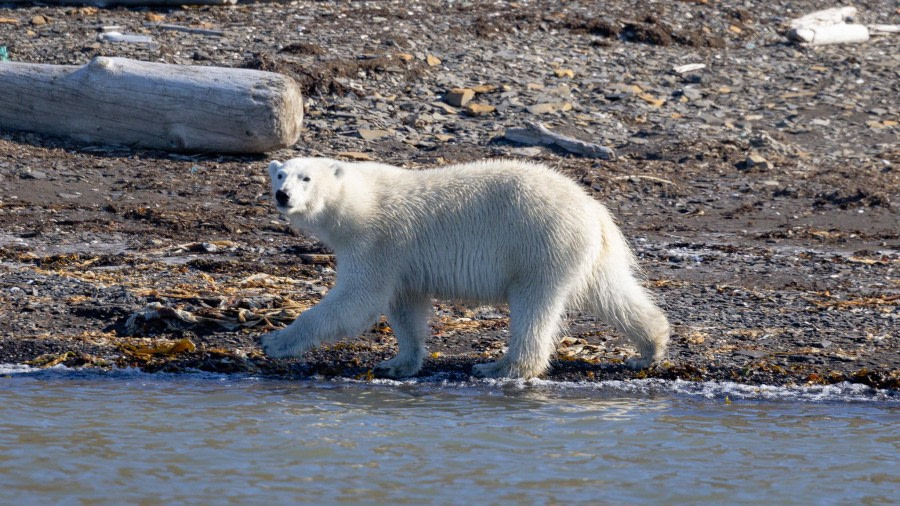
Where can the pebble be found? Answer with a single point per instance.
(446, 108)
(755, 160)
(459, 96)
(355, 155)
(528, 152)
(692, 93)
(475, 109)
(549, 107)
(484, 88)
(752, 353)
(34, 174)
(650, 99)
(371, 135)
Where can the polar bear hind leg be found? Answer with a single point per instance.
(535, 317)
(409, 320)
(618, 297)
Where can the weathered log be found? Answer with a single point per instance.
(536, 133)
(125, 3)
(828, 26)
(153, 105)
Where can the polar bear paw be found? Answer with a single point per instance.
(282, 343)
(638, 363)
(504, 368)
(397, 367)
(498, 369)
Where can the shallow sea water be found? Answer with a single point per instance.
(71, 437)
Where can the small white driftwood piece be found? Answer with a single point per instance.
(117, 101)
(536, 134)
(884, 29)
(690, 67)
(128, 38)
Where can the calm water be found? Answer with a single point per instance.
(69, 437)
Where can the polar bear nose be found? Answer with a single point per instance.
(282, 198)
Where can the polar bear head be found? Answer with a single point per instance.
(303, 187)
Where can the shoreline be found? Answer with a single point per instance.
(760, 193)
(724, 391)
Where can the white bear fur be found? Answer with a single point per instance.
(487, 232)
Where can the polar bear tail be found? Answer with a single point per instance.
(616, 294)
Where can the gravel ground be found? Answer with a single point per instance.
(760, 192)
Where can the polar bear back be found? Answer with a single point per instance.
(470, 231)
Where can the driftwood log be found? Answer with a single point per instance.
(538, 134)
(828, 26)
(117, 101)
(124, 3)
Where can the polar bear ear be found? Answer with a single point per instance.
(274, 165)
(338, 169)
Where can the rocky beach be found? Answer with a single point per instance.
(757, 180)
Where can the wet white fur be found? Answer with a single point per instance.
(489, 232)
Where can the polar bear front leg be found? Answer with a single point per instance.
(291, 341)
(348, 310)
(409, 320)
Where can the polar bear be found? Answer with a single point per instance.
(486, 232)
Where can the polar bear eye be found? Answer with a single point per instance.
(306, 178)
(280, 177)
